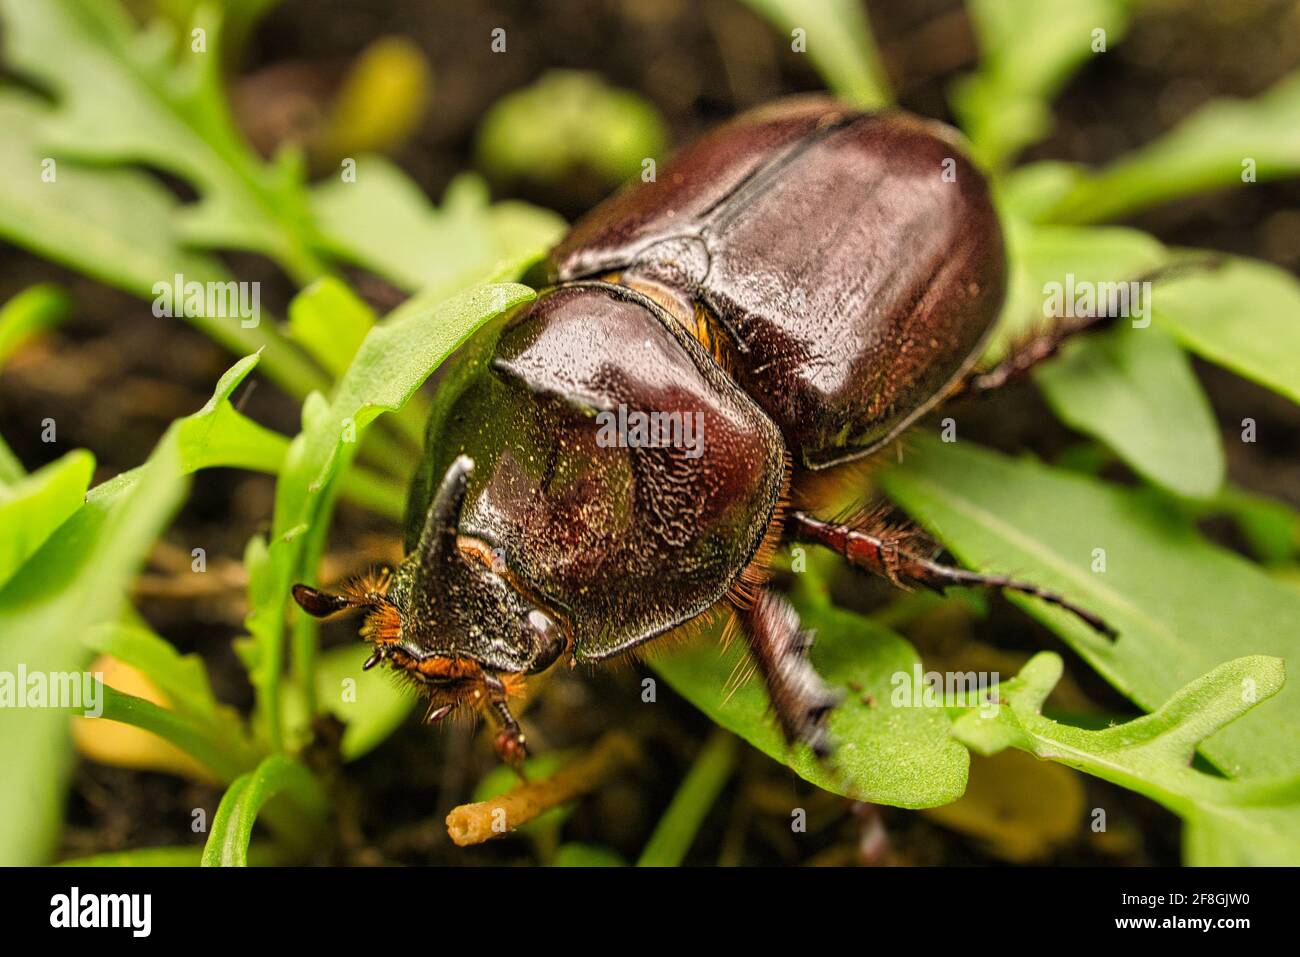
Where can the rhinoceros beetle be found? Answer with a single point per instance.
(617, 458)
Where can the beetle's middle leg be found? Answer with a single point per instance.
(1026, 355)
(881, 555)
(801, 700)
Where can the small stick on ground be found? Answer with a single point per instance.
(475, 823)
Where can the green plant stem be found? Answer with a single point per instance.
(676, 830)
(225, 758)
(300, 823)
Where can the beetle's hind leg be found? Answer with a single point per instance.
(881, 554)
(801, 700)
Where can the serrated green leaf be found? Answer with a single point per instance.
(1243, 315)
(885, 754)
(34, 506)
(129, 96)
(1181, 605)
(1028, 49)
(1236, 822)
(837, 38)
(383, 222)
(1209, 150)
(118, 226)
(75, 581)
(1134, 389)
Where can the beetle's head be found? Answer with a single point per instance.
(449, 616)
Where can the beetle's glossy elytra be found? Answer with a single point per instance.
(789, 293)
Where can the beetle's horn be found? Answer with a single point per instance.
(438, 539)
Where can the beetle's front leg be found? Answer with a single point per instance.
(800, 698)
(510, 742)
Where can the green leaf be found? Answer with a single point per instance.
(373, 705)
(1042, 258)
(330, 322)
(76, 581)
(1270, 527)
(118, 226)
(1208, 150)
(1246, 821)
(11, 470)
(34, 310)
(128, 96)
(567, 122)
(1134, 389)
(384, 223)
(1028, 49)
(839, 43)
(676, 830)
(1181, 605)
(1244, 316)
(34, 506)
(182, 678)
(142, 857)
(276, 776)
(393, 361)
(226, 755)
(586, 855)
(886, 754)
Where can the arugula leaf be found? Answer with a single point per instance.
(371, 703)
(1243, 315)
(34, 506)
(886, 754)
(1247, 821)
(1135, 390)
(839, 43)
(118, 226)
(384, 223)
(1028, 51)
(1208, 150)
(75, 581)
(330, 322)
(1182, 606)
(1042, 258)
(128, 96)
